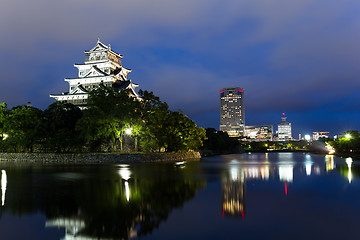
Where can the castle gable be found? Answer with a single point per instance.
(95, 72)
(79, 90)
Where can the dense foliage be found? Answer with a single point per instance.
(113, 121)
(349, 143)
(219, 142)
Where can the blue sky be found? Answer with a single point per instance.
(300, 57)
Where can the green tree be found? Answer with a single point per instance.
(3, 112)
(349, 143)
(166, 130)
(108, 114)
(218, 142)
(57, 129)
(21, 125)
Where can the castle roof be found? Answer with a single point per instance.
(101, 47)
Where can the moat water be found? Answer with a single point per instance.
(244, 196)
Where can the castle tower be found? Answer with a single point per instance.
(102, 67)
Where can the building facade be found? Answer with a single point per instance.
(232, 114)
(259, 133)
(102, 68)
(318, 135)
(284, 129)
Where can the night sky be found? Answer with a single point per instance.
(300, 57)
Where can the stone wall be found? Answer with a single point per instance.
(95, 158)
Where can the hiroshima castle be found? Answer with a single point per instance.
(102, 68)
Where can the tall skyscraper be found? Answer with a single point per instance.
(284, 129)
(102, 68)
(232, 114)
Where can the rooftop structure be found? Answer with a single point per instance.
(232, 114)
(102, 68)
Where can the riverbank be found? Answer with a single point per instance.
(95, 158)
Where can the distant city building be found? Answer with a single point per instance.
(284, 129)
(318, 135)
(102, 68)
(232, 118)
(259, 133)
(339, 136)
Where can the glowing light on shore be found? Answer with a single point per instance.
(330, 149)
(3, 186)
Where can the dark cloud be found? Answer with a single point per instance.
(294, 56)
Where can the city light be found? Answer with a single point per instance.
(330, 148)
(347, 136)
(307, 137)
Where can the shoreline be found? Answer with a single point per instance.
(95, 158)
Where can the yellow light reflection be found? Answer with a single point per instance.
(349, 162)
(3, 186)
(125, 173)
(308, 169)
(329, 160)
(127, 191)
(234, 173)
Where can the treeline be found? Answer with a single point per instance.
(113, 122)
(219, 142)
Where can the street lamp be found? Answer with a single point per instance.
(347, 136)
(128, 131)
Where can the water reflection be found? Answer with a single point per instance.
(330, 163)
(242, 170)
(349, 162)
(233, 193)
(125, 174)
(130, 201)
(3, 186)
(107, 203)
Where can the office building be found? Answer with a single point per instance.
(232, 117)
(284, 129)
